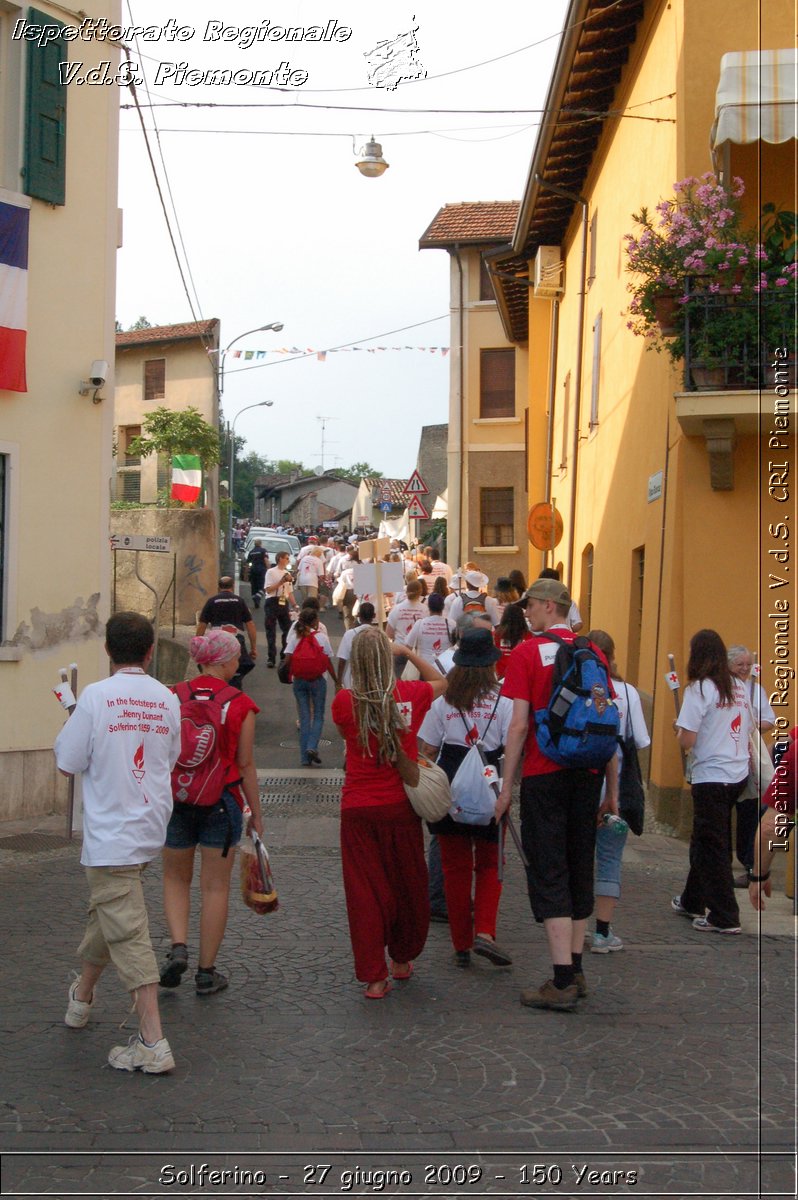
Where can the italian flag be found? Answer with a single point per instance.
(186, 478)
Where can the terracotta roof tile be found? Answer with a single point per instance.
(396, 486)
(170, 333)
(481, 221)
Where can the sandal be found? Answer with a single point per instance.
(378, 995)
(401, 974)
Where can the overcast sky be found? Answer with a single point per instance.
(278, 224)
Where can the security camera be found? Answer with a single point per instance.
(99, 372)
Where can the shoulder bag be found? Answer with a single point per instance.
(426, 787)
(631, 797)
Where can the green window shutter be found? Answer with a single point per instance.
(45, 116)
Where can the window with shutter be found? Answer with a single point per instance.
(496, 516)
(497, 383)
(155, 379)
(45, 116)
(127, 434)
(594, 385)
(486, 291)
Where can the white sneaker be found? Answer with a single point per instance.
(78, 1011)
(604, 943)
(136, 1056)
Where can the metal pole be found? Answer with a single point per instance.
(276, 326)
(156, 622)
(73, 683)
(230, 481)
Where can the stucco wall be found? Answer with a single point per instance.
(195, 545)
(58, 443)
(702, 547)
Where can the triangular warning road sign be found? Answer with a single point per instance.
(416, 510)
(415, 486)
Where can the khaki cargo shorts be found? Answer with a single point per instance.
(118, 930)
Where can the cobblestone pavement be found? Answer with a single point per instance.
(675, 1077)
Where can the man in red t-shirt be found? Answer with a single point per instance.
(559, 805)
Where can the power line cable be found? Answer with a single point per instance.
(167, 180)
(342, 346)
(159, 189)
(459, 70)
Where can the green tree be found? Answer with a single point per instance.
(141, 323)
(248, 469)
(167, 432)
(358, 471)
(286, 466)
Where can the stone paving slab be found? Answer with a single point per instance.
(665, 1056)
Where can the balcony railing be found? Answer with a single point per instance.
(732, 343)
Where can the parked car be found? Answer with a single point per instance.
(272, 543)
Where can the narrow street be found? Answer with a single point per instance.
(675, 1071)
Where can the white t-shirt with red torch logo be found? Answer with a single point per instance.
(124, 738)
(720, 753)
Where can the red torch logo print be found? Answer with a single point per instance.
(138, 763)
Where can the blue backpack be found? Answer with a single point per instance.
(580, 724)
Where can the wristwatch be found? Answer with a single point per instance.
(758, 878)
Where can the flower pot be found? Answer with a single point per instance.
(668, 313)
(708, 379)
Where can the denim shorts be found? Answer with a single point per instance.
(215, 825)
(609, 852)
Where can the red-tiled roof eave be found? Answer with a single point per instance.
(593, 51)
(471, 223)
(157, 334)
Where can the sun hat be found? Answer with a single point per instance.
(476, 580)
(476, 648)
(548, 589)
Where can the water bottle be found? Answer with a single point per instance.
(615, 824)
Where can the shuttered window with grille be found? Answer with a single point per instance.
(155, 379)
(497, 383)
(45, 115)
(496, 516)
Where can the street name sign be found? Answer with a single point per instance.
(130, 541)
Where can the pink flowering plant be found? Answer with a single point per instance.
(696, 250)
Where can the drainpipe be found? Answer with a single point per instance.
(554, 333)
(457, 501)
(580, 334)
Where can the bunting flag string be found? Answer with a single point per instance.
(321, 355)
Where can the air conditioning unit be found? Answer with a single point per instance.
(548, 278)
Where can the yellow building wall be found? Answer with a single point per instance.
(495, 452)
(702, 547)
(59, 445)
(190, 382)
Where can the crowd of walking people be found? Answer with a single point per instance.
(438, 674)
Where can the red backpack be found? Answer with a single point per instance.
(200, 775)
(308, 661)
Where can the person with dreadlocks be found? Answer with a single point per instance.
(382, 844)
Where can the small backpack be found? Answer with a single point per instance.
(579, 726)
(200, 775)
(474, 604)
(308, 661)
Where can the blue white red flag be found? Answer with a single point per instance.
(13, 295)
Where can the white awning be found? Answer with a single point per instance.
(756, 97)
(441, 508)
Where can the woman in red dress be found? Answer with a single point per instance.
(382, 843)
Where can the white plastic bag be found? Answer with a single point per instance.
(473, 794)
